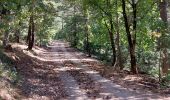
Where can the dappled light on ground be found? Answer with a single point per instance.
(61, 72)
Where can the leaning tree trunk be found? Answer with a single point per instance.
(110, 31)
(113, 49)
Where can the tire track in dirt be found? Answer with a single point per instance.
(108, 90)
(70, 84)
(85, 83)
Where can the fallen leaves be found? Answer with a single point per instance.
(86, 83)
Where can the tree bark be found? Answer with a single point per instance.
(30, 37)
(112, 42)
(131, 37)
(118, 52)
(5, 13)
(110, 31)
(29, 31)
(75, 29)
(17, 35)
(163, 14)
(87, 28)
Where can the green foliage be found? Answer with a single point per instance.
(165, 81)
(7, 68)
(149, 29)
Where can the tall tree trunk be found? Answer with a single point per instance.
(75, 29)
(29, 31)
(33, 30)
(163, 14)
(118, 52)
(30, 37)
(110, 30)
(87, 28)
(112, 42)
(131, 37)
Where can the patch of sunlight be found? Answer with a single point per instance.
(58, 60)
(91, 72)
(132, 78)
(38, 50)
(4, 94)
(65, 68)
(21, 46)
(35, 97)
(103, 81)
(32, 55)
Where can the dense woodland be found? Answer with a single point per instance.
(126, 33)
(132, 35)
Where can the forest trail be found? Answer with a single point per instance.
(61, 73)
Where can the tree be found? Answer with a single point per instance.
(31, 28)
(87, 26)
(163, 14)
(107, 14)
(30, 37)
(118, 51)
(131, 35)
(6, 20)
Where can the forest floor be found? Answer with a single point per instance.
(60, 72)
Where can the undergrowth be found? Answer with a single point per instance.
(7, 68)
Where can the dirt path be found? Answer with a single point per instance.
(104, 89)
(60, 74)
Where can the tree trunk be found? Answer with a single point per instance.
(87, 28)
(112, 43)
(5, 13)
(163, 14)
(17, 35)
(133, 60)
(110, 31)
(30, 37)
(75, 40)
(131, 39)
(165, 61)
(118, 52)
(29, 31)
